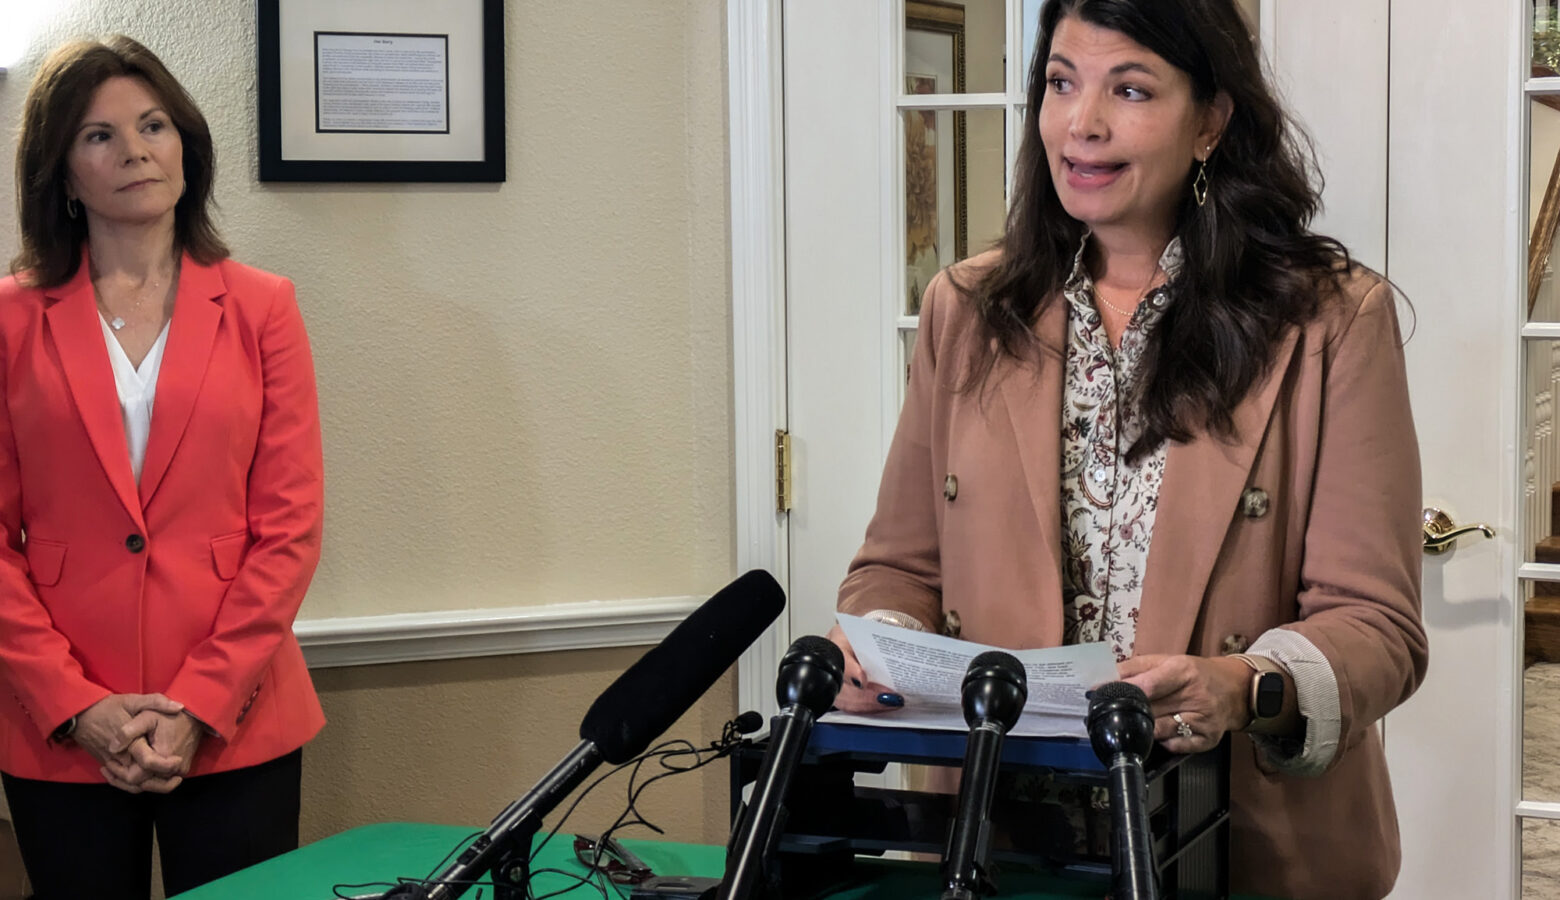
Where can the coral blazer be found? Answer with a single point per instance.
(187, 583)
(1327, 433)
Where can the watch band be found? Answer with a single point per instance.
(1262, 668)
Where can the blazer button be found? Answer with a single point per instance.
(1254, 503)
(135, 543)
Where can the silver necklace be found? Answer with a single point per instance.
(118, 322)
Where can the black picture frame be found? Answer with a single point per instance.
(273, 167)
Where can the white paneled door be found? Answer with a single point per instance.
(1417, 112)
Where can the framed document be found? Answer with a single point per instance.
(381, 90)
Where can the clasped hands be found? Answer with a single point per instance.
(145, 742)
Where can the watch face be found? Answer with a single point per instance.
(1270, 695)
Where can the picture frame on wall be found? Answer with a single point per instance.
(381, 90)
(936, 172)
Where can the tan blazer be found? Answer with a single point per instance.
(1329, 436)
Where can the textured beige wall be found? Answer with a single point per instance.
(456, 741)
(525, 387)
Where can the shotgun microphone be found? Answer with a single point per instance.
(633, 711)
(995, 689)
(811, 673)
(1121, 728)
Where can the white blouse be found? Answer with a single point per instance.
(137, 389)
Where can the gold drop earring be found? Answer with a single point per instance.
(1200, 183)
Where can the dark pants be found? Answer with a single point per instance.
(94, 841)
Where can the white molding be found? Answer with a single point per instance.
(1511, 717)
(1267, 28)
(1531, 571)
(1532, 809)
(1537, 331)
(456, 634)
(906, 102)
(891, 193)
(756, 122)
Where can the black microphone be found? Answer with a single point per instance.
(1121, 728)
(995, 689)
(748, 722)
(811, 673)
(633, 711)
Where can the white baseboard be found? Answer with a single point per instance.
(408, 637)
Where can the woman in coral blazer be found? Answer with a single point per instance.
(1167, 417)
(160, 500)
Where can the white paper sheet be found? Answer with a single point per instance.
(928, 671)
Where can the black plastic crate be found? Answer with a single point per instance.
(829, 820)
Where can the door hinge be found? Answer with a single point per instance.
(782, 471)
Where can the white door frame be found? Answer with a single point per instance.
(757, 132)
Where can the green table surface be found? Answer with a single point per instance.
(381, 853)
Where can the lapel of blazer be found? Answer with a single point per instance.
(1032, 394)
(196, 314)
(73, 322)
(1203, 482)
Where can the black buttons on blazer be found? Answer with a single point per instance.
(135, 543)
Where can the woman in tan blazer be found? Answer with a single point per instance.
(1164, 415)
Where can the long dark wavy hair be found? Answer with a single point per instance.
(1252, 267)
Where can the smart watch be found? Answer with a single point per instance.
(1267, 687)
(66, 729)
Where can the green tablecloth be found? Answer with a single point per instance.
(381, 853)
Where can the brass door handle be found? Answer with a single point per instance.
(1441, 533)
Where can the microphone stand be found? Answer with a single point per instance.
(752, 846)
(994, 691)
(505, 847)
(811, 673)
(1121, 730)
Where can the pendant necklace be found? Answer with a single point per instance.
(117, 322)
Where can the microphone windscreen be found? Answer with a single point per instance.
(998, 663)
(748, 722)
(1119, 721)
(1117, 690)
(645, 700)
(812, 646)
(995, 688)
(811, 673)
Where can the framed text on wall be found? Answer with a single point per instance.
(381, 90)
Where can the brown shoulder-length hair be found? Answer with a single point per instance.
(1252, 267)
(56, 103)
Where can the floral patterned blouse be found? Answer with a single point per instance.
(1108, 508)
(1108, 503)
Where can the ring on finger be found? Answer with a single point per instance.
(1181, 728)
